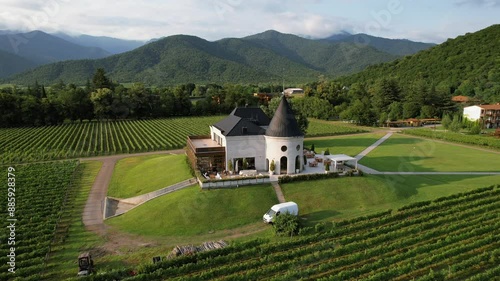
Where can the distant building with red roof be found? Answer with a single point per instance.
(487, 114)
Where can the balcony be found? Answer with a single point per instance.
(204, 145)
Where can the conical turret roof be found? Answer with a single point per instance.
(284, 123)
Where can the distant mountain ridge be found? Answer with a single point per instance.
(37, 48)
(265, 57)
(12, 63)
(109, 44)
(41, 47)
(399, 47)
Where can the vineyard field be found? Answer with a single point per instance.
(449, 238)
(320, 128)
(87, 139)
(40, 192)
(98, 138)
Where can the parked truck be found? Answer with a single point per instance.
(288, 207)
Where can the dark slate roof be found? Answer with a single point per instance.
(284, 123)
(234, 125)
(254, 114)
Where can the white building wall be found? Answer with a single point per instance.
(217, 136)
(247, 147)
(274, 152)
(473, 113)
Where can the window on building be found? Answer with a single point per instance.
(284, 148)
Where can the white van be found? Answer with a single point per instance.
(276, 210)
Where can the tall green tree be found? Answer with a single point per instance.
(100, 80)
(102, 100)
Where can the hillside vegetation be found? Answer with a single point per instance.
(399, 47)
(468, 65)
(12, 63)
(182, 59)
(417, 86)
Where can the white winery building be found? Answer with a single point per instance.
(248, 137)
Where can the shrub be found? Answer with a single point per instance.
(475, 129)
(286, 225)
(306, 177)
(327, 151)
(272, 166)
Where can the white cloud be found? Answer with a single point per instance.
(480, 3)
(216, 19)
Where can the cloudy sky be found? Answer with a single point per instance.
(422, 20)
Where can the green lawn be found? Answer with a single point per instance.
(350, 145)
(348, 197)
(191, 211)
(408, 154)
(139, 175)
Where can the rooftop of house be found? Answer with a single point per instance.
(487, 106)
(244, 121)
(460, 98)
(490, 106)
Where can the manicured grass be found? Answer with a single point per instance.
(139, 175)
(350, 145)
(407, 154)
(191, 211)
(348, 197)
(62, 262)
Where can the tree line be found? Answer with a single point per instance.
(102, 99)
(365, 103)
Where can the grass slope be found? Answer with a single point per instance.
(190, 211)
(348, 197)
(139, 175)
(407, 154)
(350, 145)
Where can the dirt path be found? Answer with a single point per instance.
(92, 216)
(279, 192)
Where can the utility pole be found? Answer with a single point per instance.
(283, 76)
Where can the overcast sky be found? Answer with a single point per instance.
(422, 20)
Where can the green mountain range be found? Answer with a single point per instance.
(399, 47)
(27, 50)
(265, 57)
(470, 63)
(11, 63)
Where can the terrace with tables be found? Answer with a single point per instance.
(339, 163)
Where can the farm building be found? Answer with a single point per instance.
(488, 115)
(249, 140)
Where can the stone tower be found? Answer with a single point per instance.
(284, 141)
